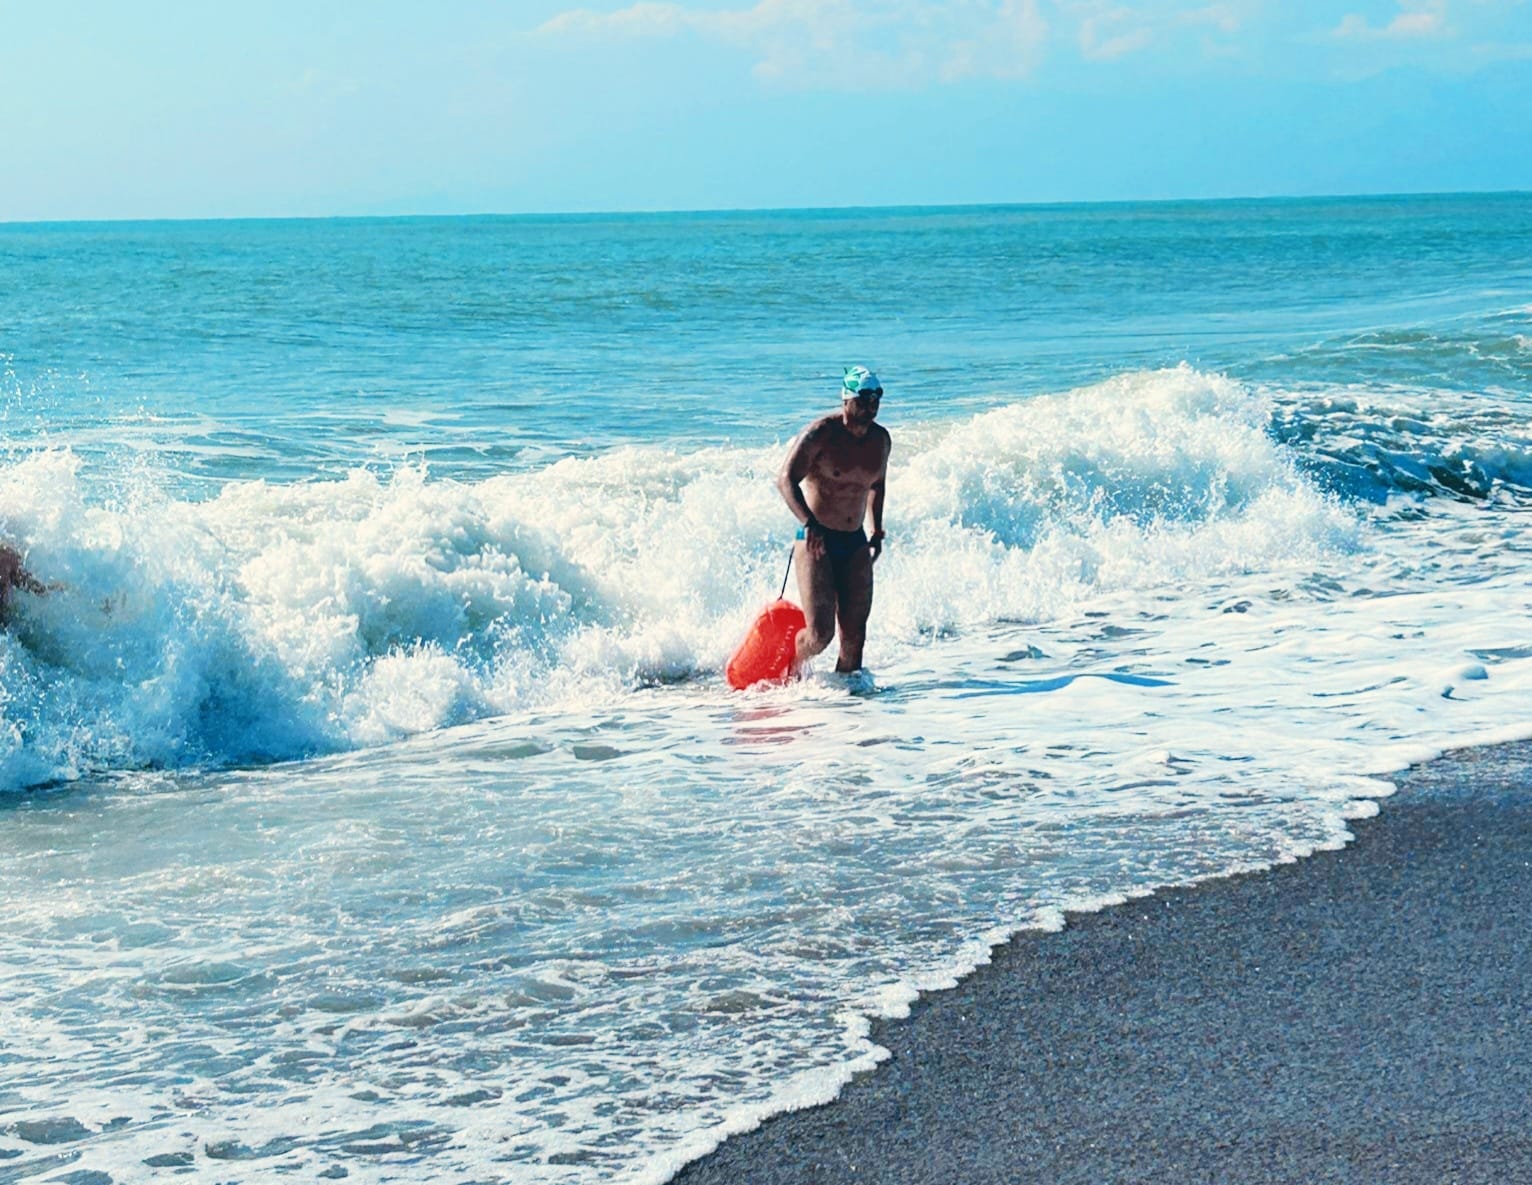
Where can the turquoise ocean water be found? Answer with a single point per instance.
(371, 802)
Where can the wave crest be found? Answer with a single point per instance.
(276, 621)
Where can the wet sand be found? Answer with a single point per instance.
(1360, 1016)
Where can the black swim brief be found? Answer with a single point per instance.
(842, 545)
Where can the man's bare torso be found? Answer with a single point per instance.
(842, 468)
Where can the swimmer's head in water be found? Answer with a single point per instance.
(860, 383)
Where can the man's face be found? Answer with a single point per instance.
(863, 406)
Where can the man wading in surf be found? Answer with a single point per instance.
(832, 480)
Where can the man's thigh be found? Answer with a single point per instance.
(854, 591)
(816, 589)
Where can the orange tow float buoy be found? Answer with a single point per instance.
(766, 654)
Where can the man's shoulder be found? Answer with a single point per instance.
(818, 429)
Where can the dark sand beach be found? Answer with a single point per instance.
(1363, 1015)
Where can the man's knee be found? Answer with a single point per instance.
(813, 638)
(855, 608)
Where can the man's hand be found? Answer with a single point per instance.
(814, 539)
(876, 544)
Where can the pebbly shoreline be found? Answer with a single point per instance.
(1362, 1015)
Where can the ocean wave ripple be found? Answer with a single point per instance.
(280, 621)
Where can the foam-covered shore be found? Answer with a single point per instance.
(1361, 1014)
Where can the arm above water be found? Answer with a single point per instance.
(800, 459)
(875, 501)
(13, 574)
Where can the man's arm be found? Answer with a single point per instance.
(799, 458)
(875, 500)
(35, 586)
(14, 575)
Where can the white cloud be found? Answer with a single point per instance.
(1114, 34)
(638, 21)
(1104, 47)
(1413, 21)
(1503, 51)
(1108, 32)
(1006, 42)
(906, 43)
(845, 42)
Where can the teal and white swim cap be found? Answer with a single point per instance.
(857, 380)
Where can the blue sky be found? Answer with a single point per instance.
(174, 110)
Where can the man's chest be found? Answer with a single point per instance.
(858, 469)
(856, 464)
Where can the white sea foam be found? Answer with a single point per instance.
(278, 621)
(1124, 638)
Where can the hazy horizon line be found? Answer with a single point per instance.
(1380, 195)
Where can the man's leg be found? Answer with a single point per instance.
(816, 590)
(855, 596)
